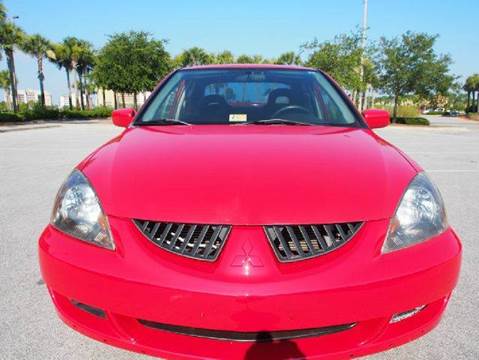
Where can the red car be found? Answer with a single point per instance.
(248, 211)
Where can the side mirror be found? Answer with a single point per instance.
(376, 118)
(123, 117)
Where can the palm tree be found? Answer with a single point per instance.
(475, 88)
(5, 85)
(193, 56)
(3, 13)
(471, 86)
(288, 58)
(224, 57)
(39, 47)
(244, 59)
(467, 88)
(63, 57)
(10, 37)
(84, 60)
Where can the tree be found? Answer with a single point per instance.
(99, 80)
(289, 58)
(63, 57)
(340, 58)
(132, 62)
(245, 59)
(255, 59)
(224, 57)
(410, 65)
(193, 56)
(456, 99)
(471, 86)
(83, 59)
(3, 13)
(38, 47)
(10, 37)
(5, 85)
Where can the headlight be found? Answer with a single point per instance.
(419, 216)
(77, 212)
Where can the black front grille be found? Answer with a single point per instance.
(191, 240)
(297, 242)
(260, 336)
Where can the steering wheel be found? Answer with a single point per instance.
(290, 108)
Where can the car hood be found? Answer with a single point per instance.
(248, 175)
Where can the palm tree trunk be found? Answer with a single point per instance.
(41, 77)
(13, 77)
(135, 101)
(70, 103)
(80, 81)
(115, 100)
(103, 93)
(123, 100)
(87, 97)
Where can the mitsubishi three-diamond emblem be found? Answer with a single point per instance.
(247, 259)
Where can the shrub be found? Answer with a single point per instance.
(412, 121)
(4, 107)
(41, 113)
(37, 112)
(9, 117)
(99, 112)
(407, 111)
(74, 114)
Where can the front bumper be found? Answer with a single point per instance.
(247, 290)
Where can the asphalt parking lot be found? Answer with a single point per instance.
(35, 161)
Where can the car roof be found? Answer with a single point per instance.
(247, 66)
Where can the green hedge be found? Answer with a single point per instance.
(51, 113)
(9, 117)
(412, 121)
(406, 111)
(40, 113)
(99, 112)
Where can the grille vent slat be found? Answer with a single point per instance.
(283, 243)
(191, 240)
(298, 242)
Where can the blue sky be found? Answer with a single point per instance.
(264, 27)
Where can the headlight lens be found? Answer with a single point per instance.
(77, 212)
(419, 216)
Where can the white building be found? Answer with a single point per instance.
(25, 96)
(65, 103)
(110, 99)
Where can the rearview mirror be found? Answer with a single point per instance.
(123, 117)
(376, 118)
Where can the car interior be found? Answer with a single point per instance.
(245, 96)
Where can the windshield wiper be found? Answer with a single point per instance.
(277, 121)
(163, 121)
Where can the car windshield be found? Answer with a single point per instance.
(247, 95)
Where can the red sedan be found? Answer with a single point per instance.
(248, 211)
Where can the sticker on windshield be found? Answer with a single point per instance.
(238, 117)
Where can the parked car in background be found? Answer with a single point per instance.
(249, 211)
